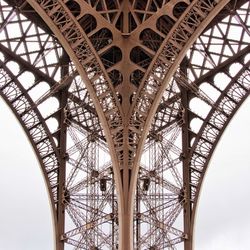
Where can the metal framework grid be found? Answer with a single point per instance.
(124, 103)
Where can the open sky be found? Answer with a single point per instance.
(223, 219)
(25, 219)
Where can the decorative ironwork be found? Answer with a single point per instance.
(124, 104)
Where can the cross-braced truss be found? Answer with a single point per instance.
(124, 103)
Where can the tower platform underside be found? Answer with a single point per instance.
(124, 103)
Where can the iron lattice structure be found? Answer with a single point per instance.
(124, 103)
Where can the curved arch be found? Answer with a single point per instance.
(168, 57)
(41, 139)
(12, 90)
(89, 66)
(242, 83)
(174, 111)
(78, 136)
(25, 201)
(176, 53)
(156, 119)
(225, 185)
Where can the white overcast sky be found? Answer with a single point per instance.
(223, 220)
(25, 219)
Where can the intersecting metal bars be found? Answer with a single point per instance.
(36, 129)
(163, 141)
(65, 117)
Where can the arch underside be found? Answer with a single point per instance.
(97, 128)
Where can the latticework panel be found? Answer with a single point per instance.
(223, 75)
(44, 90)
(215, 77)
(124, 103)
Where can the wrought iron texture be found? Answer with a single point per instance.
(124, 103)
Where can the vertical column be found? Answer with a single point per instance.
(62, 97)
(186, 160)
(126, 228)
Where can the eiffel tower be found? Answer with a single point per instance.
(124, 102)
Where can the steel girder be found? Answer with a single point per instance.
(124, 103)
